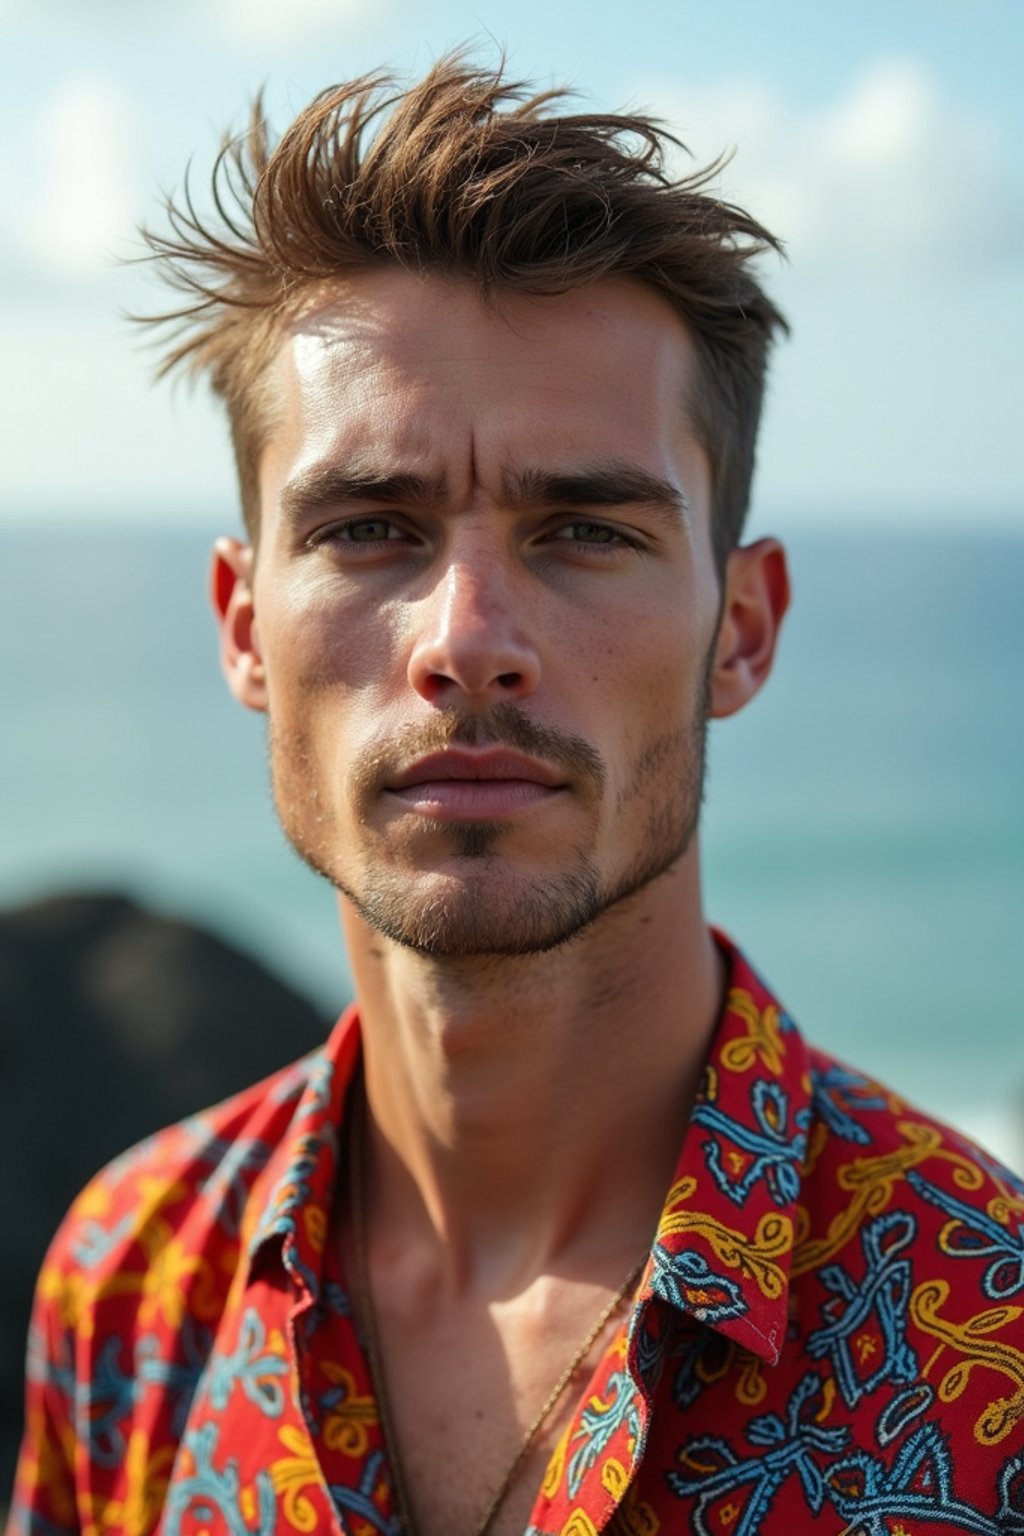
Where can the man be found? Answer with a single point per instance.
(566, 1229)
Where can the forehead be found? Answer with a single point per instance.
(427, 373)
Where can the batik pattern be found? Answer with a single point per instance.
(828, 1329)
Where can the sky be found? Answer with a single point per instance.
(884, 142)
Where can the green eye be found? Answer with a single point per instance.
(368, 530)
(588, 533)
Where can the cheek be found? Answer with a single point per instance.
(659, 668)
(663, 712)
(315, 645)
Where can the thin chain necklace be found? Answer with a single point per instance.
(366, 1312)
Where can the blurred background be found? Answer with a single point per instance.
(864, 828)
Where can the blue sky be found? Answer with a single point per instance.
(884, 142)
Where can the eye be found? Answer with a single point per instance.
(591, 534)
(359, 530)
(367, 530)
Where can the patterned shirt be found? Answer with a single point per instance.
(828, 1327)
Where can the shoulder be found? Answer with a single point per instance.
(171, 1213)
(870, 1151)
(141, 1275)
(910, 1250)
(907, 1290)
(865, 1137)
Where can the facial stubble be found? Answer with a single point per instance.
(472, 915)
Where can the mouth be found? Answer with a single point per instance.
(475, 785)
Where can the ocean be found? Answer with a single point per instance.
(864, 825)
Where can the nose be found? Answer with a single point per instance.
(471, 646)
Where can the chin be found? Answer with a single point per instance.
(476, 902)
(477, 912)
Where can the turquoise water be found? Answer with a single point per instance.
(864, 833)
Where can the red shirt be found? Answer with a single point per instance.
(828, 1327)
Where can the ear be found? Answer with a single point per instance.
(754, 605)
(231, 578)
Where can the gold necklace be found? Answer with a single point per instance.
(366, 1312)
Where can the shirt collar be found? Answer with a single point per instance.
(292, 1201)
(725, 1236)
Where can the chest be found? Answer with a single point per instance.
(475, 1416)
(477, 1409)
(729, 1444)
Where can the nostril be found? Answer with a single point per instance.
(510, 679)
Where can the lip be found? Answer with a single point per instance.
(489, 766)
(480, 786)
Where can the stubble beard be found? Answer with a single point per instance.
(479, 917)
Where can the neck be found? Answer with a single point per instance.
(525, 1114)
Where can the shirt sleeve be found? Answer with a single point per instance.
(44, 1501)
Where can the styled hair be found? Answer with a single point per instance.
(465, 174)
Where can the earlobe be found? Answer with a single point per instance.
(756, 597)
(231, 592)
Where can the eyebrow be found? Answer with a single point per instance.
(612, 483)
(328, 485)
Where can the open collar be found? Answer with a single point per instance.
(725, 1236)
(291, 1206)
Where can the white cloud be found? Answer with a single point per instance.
(77, 197)
(888, 171)
(259, 23)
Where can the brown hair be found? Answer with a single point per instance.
(466, 174)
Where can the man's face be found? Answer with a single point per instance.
(485, 603)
